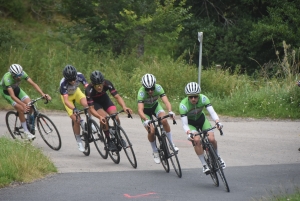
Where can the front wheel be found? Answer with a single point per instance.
(98, 138)
(127, 147)
(173, 157)
(13, 124)
(162, 153)
(114, 155)
(210, 160)
(48, 132)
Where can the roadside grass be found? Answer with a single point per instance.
(21, 162)
(282, 195)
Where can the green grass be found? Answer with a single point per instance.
(22, 162)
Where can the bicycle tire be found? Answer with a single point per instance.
(86, 142)
(210, 160)
(173, 153)
(51, 135)
(162, 154)
(98, 139)
(114, 155)
(13, 124)
(127, 146)
(220, 169)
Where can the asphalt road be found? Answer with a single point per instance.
(262, 160)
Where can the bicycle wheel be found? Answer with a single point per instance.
(13, 125)
(210, 160)
(219, 168)
(173, 156)
(49, 132)
(162, 153)
(114, 155)
(98, 138)
(86, 142)
(127, 146)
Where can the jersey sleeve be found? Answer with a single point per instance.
(183, 109)
(160, 90)
(82, 79)
(111, 88)
(141, 95)
(89, 99)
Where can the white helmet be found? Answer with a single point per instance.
(15, 69)
(148, 80)
(192, 88)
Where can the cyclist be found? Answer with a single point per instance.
(192, 116)
(10, 90)
(71, 93)
(148, 105)
(100, 104)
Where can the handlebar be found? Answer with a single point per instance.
(33, 101)
(161, 118)
(115, 114)
(205, 131)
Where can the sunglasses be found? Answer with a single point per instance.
(17, 76)
(150, 89)
(195, 97)
(71, 80)
(98, 85)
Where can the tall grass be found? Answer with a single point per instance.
(231, 93)
(22, 162)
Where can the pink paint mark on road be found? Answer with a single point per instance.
(140, 195)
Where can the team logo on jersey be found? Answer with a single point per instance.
(142, 94)
(203, 99)
(158, 88)
(183, 107)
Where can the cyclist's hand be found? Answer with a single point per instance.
(47, 97)
(102, 120)
(75, 111)
(127, 110)
(146, 123)
(190, 137)
(26, 108)
(172, 114)
(219, 125)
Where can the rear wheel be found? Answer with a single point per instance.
(98, 138)
(210, 160)
(162, 153)
(173, 157)
(127, 147)
(48, 132)
(13, 124)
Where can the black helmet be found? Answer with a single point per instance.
(96, 77)
(70, 72)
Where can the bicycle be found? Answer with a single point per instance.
(45, 126)
(212, 159)
(162, 144)
(91, 132)
(121, 141)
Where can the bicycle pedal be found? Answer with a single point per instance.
(208, 172)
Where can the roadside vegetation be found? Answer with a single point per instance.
(21, 162)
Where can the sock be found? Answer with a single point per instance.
(201, 157)
(153, 145)
(170, 137)
(24, 125)
(77, 136)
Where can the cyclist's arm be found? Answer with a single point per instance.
(37, 88)
(120, 101)
(185, 124)
(141, 111)
(167, 103)
(212, 113)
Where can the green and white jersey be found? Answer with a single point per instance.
(8, 80)
(150, 101)
(193, 112)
